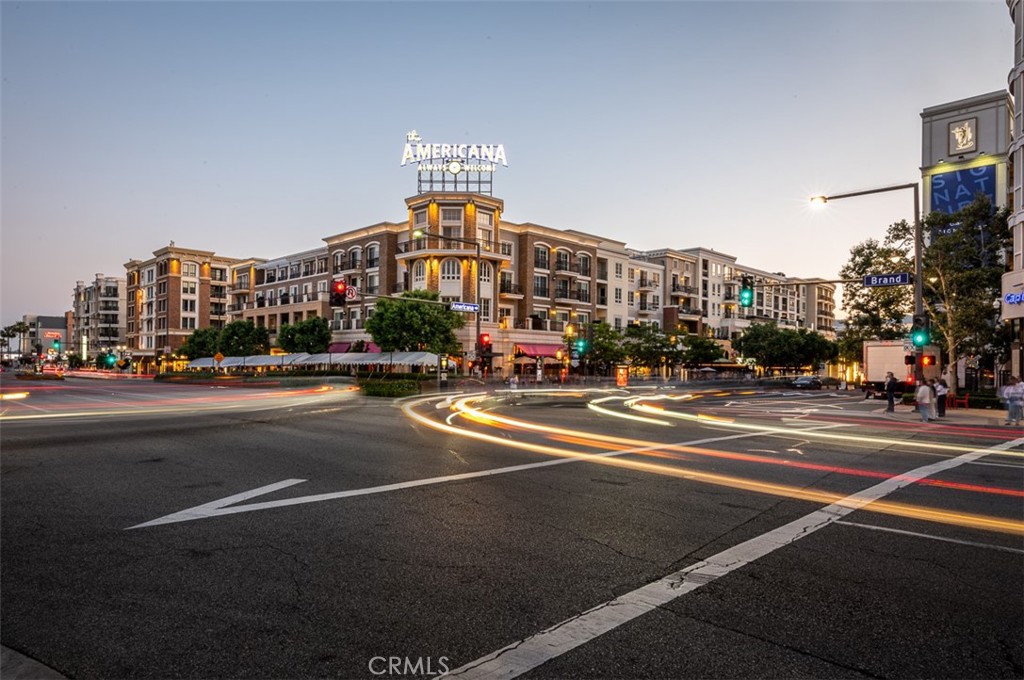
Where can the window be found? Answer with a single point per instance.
(632, 275)
(485, 272)
(161, 288)
(188, 288)
(485, 309)
(321, 265)
(451, 270)
(451, 216)
(562, 260)
(372, 284)
(339, 261)
(219, 274)
(540, 286)
(631, 298)
(188, 305)
(506, 248)
(584, 265)
(419, 274)
(618, 270)
(419, 219)
(188, 322)
(618, 296)
(540, 257)
(354, 257)
(373, 256)
(161, 305)
(190, 269)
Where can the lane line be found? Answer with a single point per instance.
(218, 507)
(529, 653)
(974, 544)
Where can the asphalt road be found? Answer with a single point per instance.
(170, 531)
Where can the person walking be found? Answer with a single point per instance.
(935, 399)
(941, 392)
(1004, 395)
(924, 399)
(890, 392)
(1015, 402)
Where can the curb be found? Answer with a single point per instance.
(17, 666)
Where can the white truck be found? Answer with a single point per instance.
(883, 356)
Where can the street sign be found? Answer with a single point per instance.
(464, 307)
(874, 280)
(351, 292)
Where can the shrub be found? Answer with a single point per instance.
(389, 388)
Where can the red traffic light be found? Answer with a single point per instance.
(485, 338)
(340, 287)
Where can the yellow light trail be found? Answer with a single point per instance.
(782, 490)
(14, 395)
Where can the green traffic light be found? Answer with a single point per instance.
(919, 338)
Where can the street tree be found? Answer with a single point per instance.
(876, 312)
(699, 350)
(204, 342)
(786, 348)
(312, 336)
(649, 346)
(962, 271)
(244, 338)
(414, 322)
(605, 348)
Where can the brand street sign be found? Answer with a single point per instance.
(465, 307)
(872, 280)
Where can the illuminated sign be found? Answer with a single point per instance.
(453, 158)
(962, 138)
(53, 334)
(1013, 298)
(954, 191)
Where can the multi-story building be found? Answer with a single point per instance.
(1013, 279)
(169, 296)
(47, 335)
(285, 290)
(98, 309)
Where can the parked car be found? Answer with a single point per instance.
(807, 382)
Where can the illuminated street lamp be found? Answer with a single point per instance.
(420, 233)
(918, 283)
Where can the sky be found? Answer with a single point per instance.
(256, 129)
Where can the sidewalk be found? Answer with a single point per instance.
(958, 416)
(15, 666)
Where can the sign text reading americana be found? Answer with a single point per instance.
(481, 153)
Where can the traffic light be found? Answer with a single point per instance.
(485, 344)
(920, 331)
(338, 290)
(110, 360)
(747, 292)
(928, 360)
(581, 345)
(56, 345)
(909, 360)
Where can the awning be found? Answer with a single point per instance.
(338, 347)
(372, 346)
(539, 350)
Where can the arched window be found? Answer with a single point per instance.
(419, 274)
(339, 261)
(485, 272)
(451, 270)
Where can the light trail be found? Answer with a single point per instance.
(975, 521)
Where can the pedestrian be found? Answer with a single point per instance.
(924, 399)
(941, 391)
(1015, 402)
(890, 392)
(513, 382)
(935, 399)
(1004, 396)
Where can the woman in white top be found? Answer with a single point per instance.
(941, 390)
(924, 399)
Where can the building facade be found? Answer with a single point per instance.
(285, 290)
(169, 296)
(1013, 279)
(99, 312)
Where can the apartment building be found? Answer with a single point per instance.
(285, 290)
(170, 295)
(99, 311)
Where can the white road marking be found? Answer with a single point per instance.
(529, 653)
(931, 536)
(219, 507)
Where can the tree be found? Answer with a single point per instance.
(649, 346)
(699, 350)
(204, 342)
(962, 272)
(312, 336)
(774, 347)
(244, 338)
(606, 347)
(416, 321)
(876, 313)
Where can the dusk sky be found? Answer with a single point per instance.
(256, 129)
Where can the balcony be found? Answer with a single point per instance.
(566, 295)
(398, 288)
(372, 262)
(646, 283)
(683, 290)
(565, 268)
(239, 288)
(648, 308)
(511, 290)
(583, 296)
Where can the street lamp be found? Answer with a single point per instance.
(918, 282)
(420, 233)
